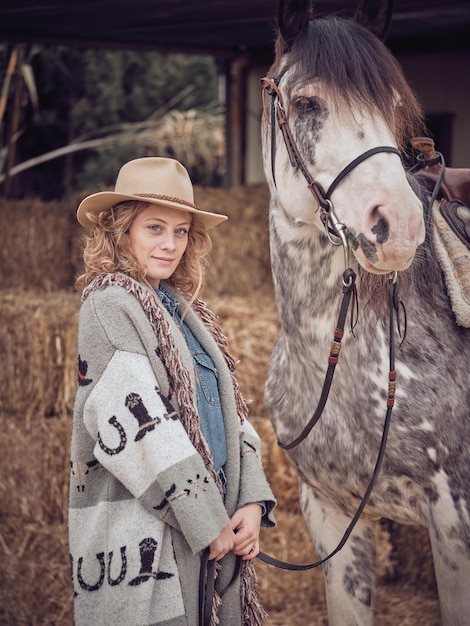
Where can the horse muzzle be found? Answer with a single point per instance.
(379, 257)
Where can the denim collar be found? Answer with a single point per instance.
(167, 298)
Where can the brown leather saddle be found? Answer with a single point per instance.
(449, 215)
(451, 185)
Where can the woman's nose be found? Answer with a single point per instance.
(169, 241)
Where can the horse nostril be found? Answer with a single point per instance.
(381, 230)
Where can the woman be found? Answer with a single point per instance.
(164, 461)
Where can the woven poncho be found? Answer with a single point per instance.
(144, 501)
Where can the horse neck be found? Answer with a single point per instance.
(307, 269)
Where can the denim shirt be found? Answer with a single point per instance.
(207, 391)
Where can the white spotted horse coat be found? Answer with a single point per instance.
(343, 94)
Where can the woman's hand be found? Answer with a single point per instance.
(223, 544)
(246, 523)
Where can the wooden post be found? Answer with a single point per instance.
(235, 128)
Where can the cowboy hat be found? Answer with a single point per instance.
(155, 180)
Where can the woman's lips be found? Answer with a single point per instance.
(163, 260)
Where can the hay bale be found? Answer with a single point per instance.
(38, 350)
(35, 584)
(239, 261)
(251, 326)
(36, 241)
(249, 203)
(412, 557)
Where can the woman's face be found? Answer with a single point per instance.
(158, 237)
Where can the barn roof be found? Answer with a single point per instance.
(219, 27)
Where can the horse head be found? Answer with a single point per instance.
(336, 102)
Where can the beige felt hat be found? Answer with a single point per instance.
(156, 180)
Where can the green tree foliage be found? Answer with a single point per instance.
(84, 94)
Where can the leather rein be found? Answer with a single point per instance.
(334, 230)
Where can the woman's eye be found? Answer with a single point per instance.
(182, 231)
(155, 227)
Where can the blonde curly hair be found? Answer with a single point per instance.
(107, 250)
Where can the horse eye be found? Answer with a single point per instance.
(305, 104)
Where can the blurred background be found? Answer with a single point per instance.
(84, 88)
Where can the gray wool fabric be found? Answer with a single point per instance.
(143, 503)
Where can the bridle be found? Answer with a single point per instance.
(278, 117)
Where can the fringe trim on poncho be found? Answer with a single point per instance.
(180, 382)
(253, 613)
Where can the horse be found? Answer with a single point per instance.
(338, 116)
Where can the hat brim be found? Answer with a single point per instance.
(103, 200)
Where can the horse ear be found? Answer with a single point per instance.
(375, 15)
(292, 17)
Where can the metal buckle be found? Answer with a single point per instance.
(334, 229)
